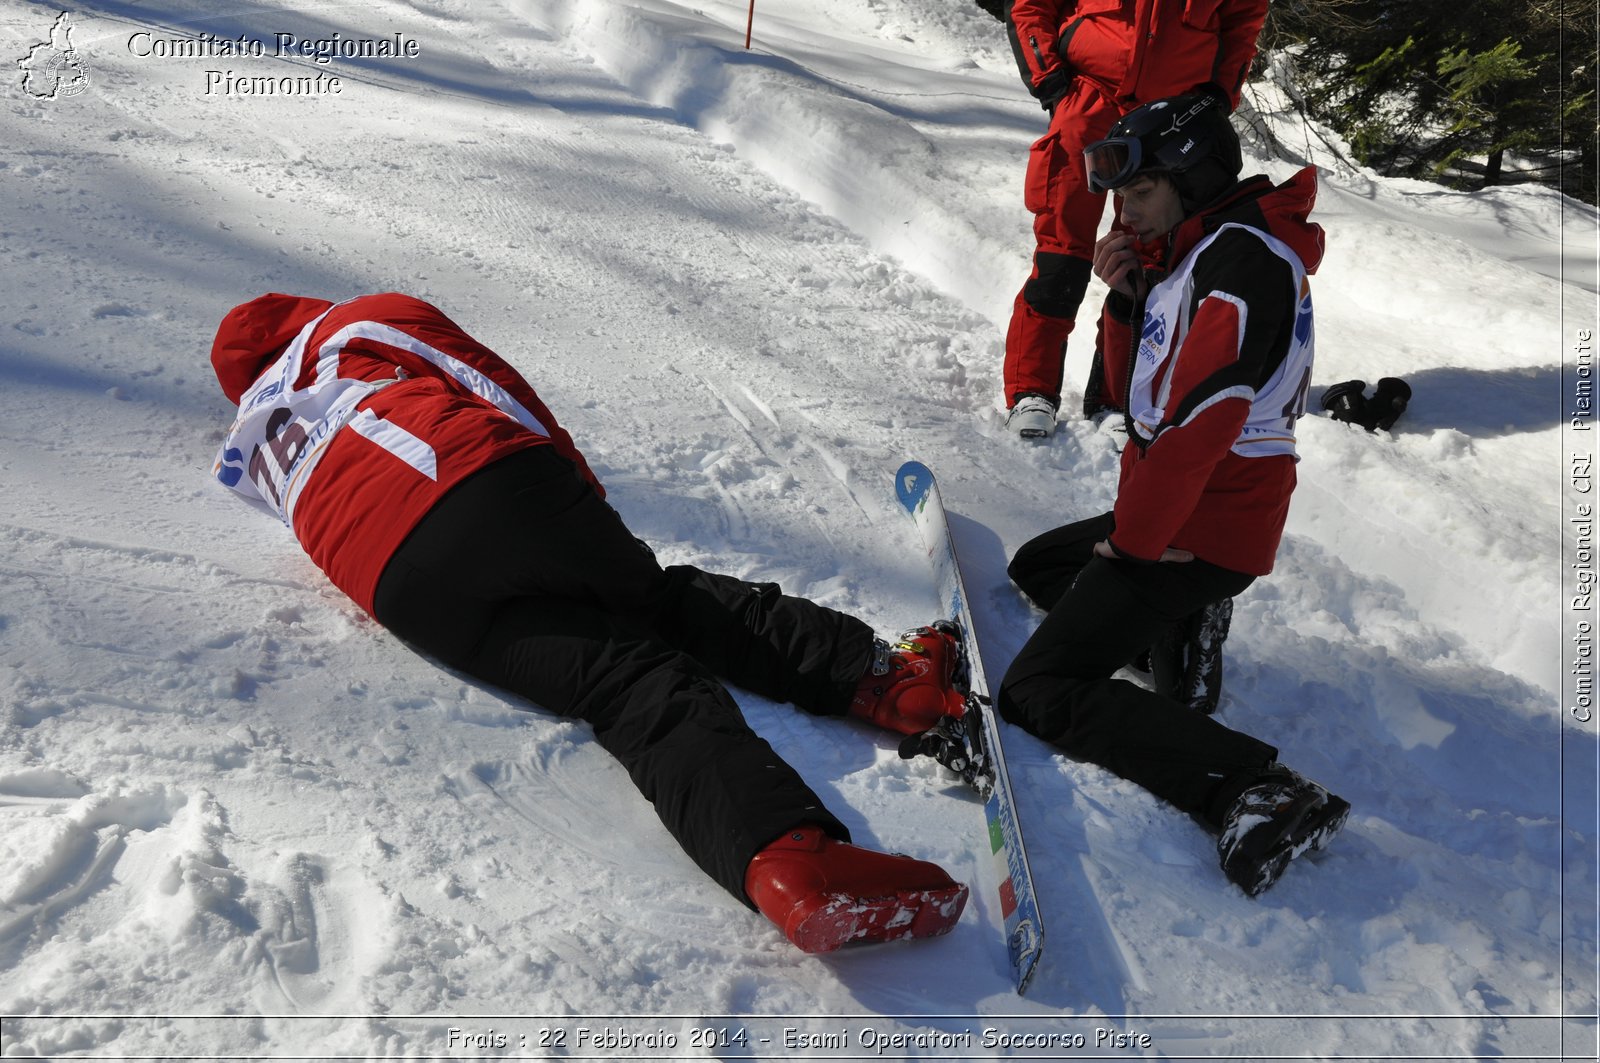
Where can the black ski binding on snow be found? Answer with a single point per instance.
(957, 743)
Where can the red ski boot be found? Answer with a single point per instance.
(824, 893)
(910, 685)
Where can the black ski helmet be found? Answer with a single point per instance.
(1188, 138)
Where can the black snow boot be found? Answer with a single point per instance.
(1186, 661)
(1277, 816)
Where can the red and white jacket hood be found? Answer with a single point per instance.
(1282, 211)
(253, 335)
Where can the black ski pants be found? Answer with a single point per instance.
(1102, 614)
(525, 578)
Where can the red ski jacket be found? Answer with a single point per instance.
(355, 419)
(1219, 379)
(1137, 51)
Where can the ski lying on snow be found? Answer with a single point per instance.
(918, 492)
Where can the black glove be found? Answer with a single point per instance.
(957, 743)
(1346, 402)
(1211, 91)
(1388, 402)
(1053, 88)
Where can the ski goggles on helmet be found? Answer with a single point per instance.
(1113, 162)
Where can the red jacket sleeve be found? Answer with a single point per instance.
(1038, 25)
(1161, 485)
(1240, 24)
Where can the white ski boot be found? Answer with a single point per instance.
(1033, 417)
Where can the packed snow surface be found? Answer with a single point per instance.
(237, 819)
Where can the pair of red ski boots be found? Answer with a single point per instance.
(824, 893)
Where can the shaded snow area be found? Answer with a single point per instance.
(239, 820)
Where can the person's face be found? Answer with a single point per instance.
(1150, 207)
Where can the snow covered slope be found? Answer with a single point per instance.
(238, 819)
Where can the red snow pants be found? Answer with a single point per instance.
(1066, 223)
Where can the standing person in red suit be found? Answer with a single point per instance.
(428, 481)
(1209, 358)
(1089, 62)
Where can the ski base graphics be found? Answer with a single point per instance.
(984, 764)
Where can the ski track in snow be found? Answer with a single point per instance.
(750, 284)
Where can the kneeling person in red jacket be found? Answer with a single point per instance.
(1210, 365)
(425, 477)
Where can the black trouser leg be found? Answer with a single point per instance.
(767, 642)
(1045, 567)
(1104, 613)
(524, 577)
(719, 788)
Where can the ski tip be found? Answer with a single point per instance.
(912, 483)
(1025, 945)
(1024, 974)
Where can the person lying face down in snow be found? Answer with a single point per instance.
(424, 476)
